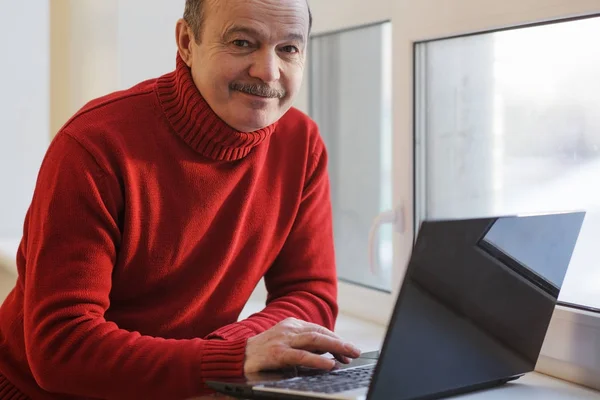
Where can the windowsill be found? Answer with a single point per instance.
(369, 336)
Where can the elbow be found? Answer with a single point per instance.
(48, 366)
(334, 314)
(46, 372)
(326, 309)
(329, 311)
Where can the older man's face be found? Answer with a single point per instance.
(250, 59)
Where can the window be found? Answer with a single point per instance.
(506, 123)
(573, 341)
(350, 99)
(511, 126)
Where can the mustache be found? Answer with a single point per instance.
(258, 89)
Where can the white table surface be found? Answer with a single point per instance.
(534, 386)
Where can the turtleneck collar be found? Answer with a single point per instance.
(196, 123)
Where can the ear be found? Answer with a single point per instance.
(185, 41)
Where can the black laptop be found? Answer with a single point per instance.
(472, 313)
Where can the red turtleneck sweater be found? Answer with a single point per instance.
(151, 223)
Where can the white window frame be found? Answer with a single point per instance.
(335, 15)
(572, 347)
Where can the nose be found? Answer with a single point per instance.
(265, 66)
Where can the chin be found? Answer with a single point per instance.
(254, 122)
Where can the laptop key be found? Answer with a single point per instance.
(331, 382)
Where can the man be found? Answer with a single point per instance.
(157, 211)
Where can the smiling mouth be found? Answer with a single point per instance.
(257, 96)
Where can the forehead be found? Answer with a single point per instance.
(272, 17)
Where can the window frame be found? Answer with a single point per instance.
(348, 287)
(370, 304)
(565, 354)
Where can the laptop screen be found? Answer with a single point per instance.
(475, 303)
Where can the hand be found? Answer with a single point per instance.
(296, 343)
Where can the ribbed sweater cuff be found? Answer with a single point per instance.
(233, 331)
(10, 392)
(223, 359)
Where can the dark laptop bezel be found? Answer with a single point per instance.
(493, 251)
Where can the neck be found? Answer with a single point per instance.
(192, 119)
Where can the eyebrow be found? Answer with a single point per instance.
(292, 36)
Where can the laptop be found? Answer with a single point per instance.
(472, 313)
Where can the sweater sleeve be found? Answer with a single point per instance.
(72, 236)
(302, 283)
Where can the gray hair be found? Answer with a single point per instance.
(194, 16)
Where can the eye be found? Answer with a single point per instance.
(290, 49)
(241, 43)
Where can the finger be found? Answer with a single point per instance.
(295, 357)
(314, 342)
(339, 357)
(310, 327)
(300, 326)
(342, 359)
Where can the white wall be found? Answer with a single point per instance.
(99, 47)
(84, 59)
(146, 38)
(24, 107)
(92, 56)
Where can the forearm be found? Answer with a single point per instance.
(303, 305)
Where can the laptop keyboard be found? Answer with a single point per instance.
(331, 382)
